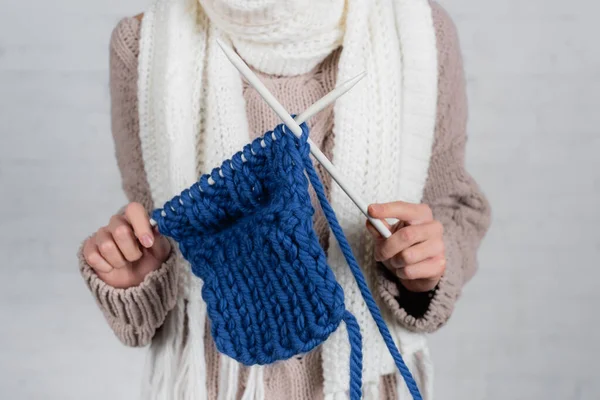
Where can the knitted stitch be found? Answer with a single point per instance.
(247, 231)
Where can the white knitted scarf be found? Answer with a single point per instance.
(192, 117)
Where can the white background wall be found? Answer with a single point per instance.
(527, 326)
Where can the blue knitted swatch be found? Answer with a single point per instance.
(249, 236)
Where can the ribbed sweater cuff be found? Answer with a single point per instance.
(419, 312)
(135, 313)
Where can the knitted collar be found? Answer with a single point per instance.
(193, 116)
(288, 37)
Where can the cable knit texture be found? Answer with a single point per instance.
(137, 314)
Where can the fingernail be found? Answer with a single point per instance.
(147, 240)
(400, 273)
(373, 209)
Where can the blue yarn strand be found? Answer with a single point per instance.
(359, 277)
(355, 339)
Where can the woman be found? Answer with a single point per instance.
(179, 109)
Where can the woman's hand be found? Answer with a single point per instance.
(415, 251)
(127, 249)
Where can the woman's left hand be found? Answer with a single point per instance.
(415, 251)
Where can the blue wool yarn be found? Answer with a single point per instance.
(246, 229)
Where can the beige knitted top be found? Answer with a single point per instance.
(136, 314)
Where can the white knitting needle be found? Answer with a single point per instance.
(320, 105)
(241, 66)
(329, 98)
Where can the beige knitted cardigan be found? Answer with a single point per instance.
(136, 314)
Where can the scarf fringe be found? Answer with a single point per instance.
(336, 396)
(371, 391)
(229, 371)
(191, 382)
(422, 368)
(255, 389)
(162, 363)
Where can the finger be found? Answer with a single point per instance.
(420, 285)
(93, 258)
(409, 212)
(432, 268)
(137, 216)
(109, 250)
(405, 237)
(373, 231)
(123, 236)
(420, 252)
(161, 248)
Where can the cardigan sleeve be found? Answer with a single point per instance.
(134, 314)
(454, 197)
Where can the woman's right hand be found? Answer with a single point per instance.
(127, 249)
